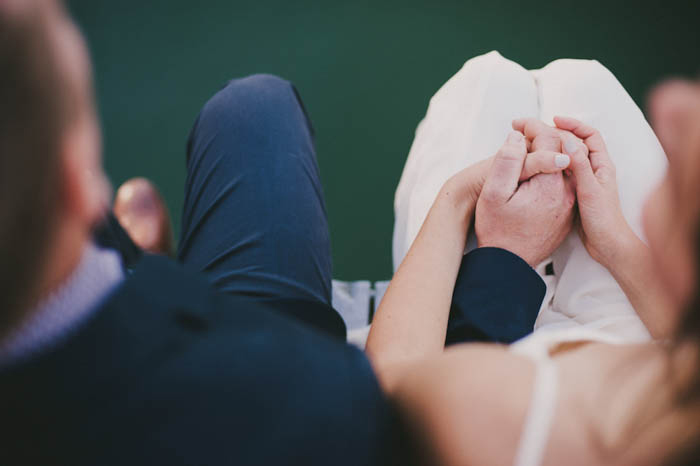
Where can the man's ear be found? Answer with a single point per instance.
(85, 188)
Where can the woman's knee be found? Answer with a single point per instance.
(587, 77)
(500, 80)
(488, 62)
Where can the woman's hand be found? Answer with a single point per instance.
(603, 229)
(605, 232)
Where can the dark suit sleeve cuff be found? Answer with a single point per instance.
(497, 298)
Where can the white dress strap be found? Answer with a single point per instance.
(538, 423)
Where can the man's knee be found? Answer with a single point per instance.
(258, 110)
(250, 100)
(260, 87)
(258, 93)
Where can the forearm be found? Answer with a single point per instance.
(633, 269)
(411, 321)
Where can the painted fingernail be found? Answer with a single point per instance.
(515, 136)
(562, 160)
(571, 146)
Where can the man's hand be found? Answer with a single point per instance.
(530, 219)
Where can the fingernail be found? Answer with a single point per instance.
(571, 146)
(562, 160)
(515, 136)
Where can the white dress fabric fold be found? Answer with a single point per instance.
(468, 120)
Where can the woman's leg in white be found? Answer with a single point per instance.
(586, 293)
(467, 121)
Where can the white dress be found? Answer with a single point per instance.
(468, 120)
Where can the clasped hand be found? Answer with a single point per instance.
(525, 194)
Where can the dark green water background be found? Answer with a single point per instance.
(365, 70)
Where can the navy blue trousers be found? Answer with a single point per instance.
(254, 218)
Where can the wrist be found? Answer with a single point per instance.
(531, 260)
(461, 191)
(627, 250)
(614, 242)
(458, 201)
(467, 184)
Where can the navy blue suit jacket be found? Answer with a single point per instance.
(169, 371)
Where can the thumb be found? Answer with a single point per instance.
(506, 168)
(580, 165)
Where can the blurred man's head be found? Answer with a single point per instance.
(52, 188)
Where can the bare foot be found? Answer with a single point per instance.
(141, 211)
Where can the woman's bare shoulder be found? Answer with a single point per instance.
(606, 392)
(470, 403)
